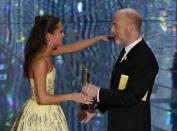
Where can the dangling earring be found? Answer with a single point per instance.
(49, 42)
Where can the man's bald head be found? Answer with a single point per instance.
(131, 15)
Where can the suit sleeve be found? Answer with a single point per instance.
(102, 108)
(139, 82)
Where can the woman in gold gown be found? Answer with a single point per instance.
(41, 111)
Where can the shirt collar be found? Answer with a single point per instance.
(131, 45)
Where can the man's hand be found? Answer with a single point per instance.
(81, 115)
(90, 90)
(88, 115)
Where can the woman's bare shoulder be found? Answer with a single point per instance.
(37, 64)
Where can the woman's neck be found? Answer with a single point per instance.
(47, 52)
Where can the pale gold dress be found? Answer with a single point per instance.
(34, 117)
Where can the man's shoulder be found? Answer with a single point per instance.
(142, 53)
(142, 49)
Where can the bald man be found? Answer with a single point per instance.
(133, 76)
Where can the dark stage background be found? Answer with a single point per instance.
(83, 19)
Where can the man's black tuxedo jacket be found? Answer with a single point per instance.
(126, 110)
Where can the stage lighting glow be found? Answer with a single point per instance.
(163, 23)
(59, 59)
(22, 38)
(7, 8)
(80, 7)
(56, 1)
(2, 66)
(10, 100)
(16, 4)
(41, 12)
(174, 34)
(174, 29)
(165, 13)
(3, 76)
(168, 119)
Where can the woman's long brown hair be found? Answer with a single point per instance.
(37, 39)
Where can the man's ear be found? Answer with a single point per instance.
(131, 27)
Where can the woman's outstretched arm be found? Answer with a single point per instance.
(76, 46)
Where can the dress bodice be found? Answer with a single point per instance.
(49, 83)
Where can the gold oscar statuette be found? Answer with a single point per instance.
(86, 76)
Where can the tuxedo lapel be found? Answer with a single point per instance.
(115, 67)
